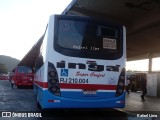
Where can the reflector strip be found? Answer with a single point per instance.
(120, 102)
(53, 100)
(50, 100)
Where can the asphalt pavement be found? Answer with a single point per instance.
(23, 100)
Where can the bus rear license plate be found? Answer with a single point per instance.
(89, 92)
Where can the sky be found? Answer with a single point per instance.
(22, 23)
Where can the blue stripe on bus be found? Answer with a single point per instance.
(51, 101)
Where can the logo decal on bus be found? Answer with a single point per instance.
(64, 72)
(92, 66)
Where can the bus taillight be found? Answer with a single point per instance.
(120, 84)
(53, 83)
(52, 73)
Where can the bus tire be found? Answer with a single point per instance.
(38, 105)
(12, 85)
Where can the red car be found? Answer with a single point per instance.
(22, 76)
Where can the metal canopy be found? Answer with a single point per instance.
(30, 58)
(141, 18)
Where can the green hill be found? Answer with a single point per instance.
(8, 62)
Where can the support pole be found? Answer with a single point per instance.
(150, 62)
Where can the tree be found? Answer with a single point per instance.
(3, 68)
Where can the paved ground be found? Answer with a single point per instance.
(134, 103)
(16, 99)
(24, 100)
(136, 106)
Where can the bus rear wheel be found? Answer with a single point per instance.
(38, 105)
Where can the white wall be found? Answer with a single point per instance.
(152, 84)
